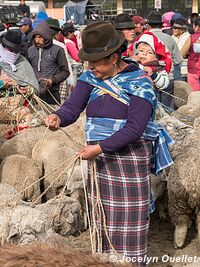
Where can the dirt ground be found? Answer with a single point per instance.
(160, 245)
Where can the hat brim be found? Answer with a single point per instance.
(154, 22)
(124, 25)
(84, 56)
(22, 24)
(54, 27)
(177, 26)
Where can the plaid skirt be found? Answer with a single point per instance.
(124, 184)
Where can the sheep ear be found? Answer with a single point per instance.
(13, 234)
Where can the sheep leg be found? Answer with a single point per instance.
(181, 231)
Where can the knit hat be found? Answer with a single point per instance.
(12, 41)
(166, 18)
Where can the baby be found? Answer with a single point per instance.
(150, 64)
(153, 59)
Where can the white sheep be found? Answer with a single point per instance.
(20, 172)
(22, 143)
(184, 186)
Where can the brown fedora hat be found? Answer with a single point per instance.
(99, 40)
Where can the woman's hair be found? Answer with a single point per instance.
(197, 22)
(119, 51)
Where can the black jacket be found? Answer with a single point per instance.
(48, 62)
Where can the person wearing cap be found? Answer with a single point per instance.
(139, 24)
(14, 64)
(74, 60)
(25, 26)
(125, 24)
(155, 26)
(174, 17)
(180, 35)
(120, 104)
(17, 75)
(49, 63)
(155, 59)
(191, 49)
(67, 85)
(68, 33)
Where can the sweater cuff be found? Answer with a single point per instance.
(154, 75)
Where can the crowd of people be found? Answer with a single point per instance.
(131, 63)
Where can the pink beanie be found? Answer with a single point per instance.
(166, 18)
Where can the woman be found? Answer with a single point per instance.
(72, 50)
(180, 35)
(120, 102)
(191, 49)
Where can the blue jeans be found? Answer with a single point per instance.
(177, 72)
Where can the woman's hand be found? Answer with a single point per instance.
(90, 151)
(53, 122)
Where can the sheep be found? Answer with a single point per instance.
(20, 172)
(30, 223)
(22, 143)
(72, 177)
(183, 186)
(191, 110)
(43, 148)
(177, 130)
(158, 189)
(7, 192)
(181, 90)
(38, 254)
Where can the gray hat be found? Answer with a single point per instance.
(12, 41)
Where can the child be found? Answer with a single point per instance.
(153, 58)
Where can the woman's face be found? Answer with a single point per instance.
(145, 53)
(103, 68)
(177, 32)
(129, 34)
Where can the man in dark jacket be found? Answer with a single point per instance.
(23, 9)
(25, 26)
(49, 63)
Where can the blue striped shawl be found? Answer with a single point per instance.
(123, 85)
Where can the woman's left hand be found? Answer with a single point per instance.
(90, 151)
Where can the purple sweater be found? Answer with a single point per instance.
(138, 114)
